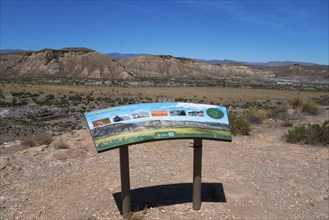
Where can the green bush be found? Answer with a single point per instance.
(239, 125)
(310, 108)
(296, 135)
(310, 134)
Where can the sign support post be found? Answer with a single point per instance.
(197, 164)
(125, 181)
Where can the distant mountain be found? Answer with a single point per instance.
(169, 66)
(123, 55)
(270, 63)
(2, 51)
(127, 55)
(286, 63)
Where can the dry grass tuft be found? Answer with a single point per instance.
(61, 143)
(37, 140)
(296, 103)
(278, 112)
(310, 108)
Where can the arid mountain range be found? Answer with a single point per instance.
(270, 63)
(68, 62)
(87, 63)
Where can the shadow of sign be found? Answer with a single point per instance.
(171, 194)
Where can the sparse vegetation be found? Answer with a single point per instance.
(278, 112)
(138, 215)
(148, 99)
(61, 143)
(180, 99)
(254, 116)
(296, 103)
(310, 134)
(74, 100)
(310, 108)
(32, 141)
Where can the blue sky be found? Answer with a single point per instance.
(264, 30)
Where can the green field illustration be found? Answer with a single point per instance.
(140, 136)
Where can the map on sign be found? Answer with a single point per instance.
(131, 124)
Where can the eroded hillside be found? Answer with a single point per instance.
(162, 66)
(78, 62)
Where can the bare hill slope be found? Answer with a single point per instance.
(70, 62)
(166, 65)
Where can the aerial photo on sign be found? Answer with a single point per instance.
(131, 124)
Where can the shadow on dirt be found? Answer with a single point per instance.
(171, 194)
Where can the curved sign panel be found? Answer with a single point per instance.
(131, 124)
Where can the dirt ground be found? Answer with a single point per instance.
(254, 177)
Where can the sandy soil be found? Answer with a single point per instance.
(254, 177)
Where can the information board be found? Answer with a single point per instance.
(132, 124)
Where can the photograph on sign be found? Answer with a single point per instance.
(130, 124)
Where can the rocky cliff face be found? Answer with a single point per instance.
(71, 62)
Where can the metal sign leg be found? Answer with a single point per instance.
(125, 182)
(197, 164)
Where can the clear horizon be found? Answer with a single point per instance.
(252, 31)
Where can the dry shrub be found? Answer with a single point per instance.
(310, 108)
(296, 103)
(278, 112)
(61, 143)
(138, 215)
(254, 116)
(37, 140)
